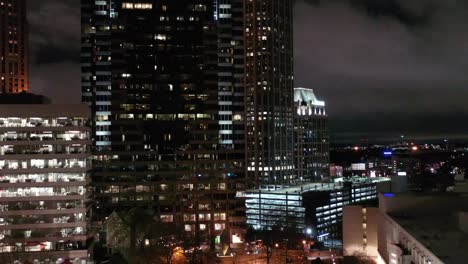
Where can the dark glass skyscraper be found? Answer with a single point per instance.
(165, 82)
(269, 91)
(14, 47)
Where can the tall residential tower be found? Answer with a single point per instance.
(269, 91)
(14, 60)
(165, 82)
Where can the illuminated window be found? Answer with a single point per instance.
(168, 219)
(160, 37)
(137, 6)
(219, 226)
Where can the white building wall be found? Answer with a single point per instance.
(360, 231)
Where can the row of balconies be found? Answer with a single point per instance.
(41, 207)
(59, 137)
(72, 183)
(24, 241)
(42, 178)
(11, 167)
(38, 211)
(69, 253)
(45, 229)
(73, 190)
(46, 151)
(41, 219)
(42, 122)
(61, 169)
(20, 237)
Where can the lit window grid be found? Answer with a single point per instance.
(45, 163)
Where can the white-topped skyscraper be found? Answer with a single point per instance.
(312, 155)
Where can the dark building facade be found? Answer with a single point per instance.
(165, 82)
(312, 153)
(269, 91)
(14, 50)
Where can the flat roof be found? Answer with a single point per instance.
(44, 110)
(439, 233)
(318, 186)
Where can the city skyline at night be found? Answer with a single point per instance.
(370, 40)
(233, 131)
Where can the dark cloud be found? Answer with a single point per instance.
(382, 65)
(55, 49)
(377, 63)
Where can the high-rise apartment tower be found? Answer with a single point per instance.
(269, 91)
(165, 82)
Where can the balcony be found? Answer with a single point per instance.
(24, 155)
(39, 211)
(39, 206)
(44, 238)
(44, 141)
(7, 184)
(41, 225)
(54, 169)
(54, 197)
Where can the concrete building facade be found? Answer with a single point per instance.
(360, 231)
(44, 161)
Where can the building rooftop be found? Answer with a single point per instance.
(44, 110)
(302, 188)
(307, 95)
(23, 98)
(439, 233)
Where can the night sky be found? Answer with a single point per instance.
(384, 67)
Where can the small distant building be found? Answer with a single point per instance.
(311, 136)
(314, 209)
(336, 170)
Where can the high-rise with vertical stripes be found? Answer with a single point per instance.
(165, 83)
(269, 91)
(192, 103)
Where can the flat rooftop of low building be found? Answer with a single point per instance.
(439, 233)
(44, 110)
(318, 186)
(23, 98)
